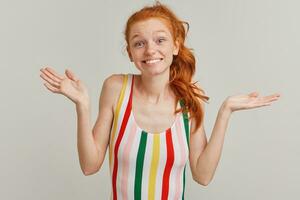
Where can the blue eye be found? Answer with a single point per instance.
(160, 40)
(138, 44)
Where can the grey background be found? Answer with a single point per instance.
(240, 46)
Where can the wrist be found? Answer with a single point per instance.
(83, 100)
(83, 104)
(225, 109)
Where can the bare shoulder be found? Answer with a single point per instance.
(111, 88)
(114, 81)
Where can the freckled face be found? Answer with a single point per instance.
(151, 46)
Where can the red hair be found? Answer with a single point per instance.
(182, 68)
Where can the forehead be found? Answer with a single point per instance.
(149, 26)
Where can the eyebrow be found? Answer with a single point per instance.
(137, 34)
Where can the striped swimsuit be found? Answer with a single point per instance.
(146, 165)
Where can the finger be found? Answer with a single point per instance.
(51, 88)
(51, 76)
(253, 94)
(273, 99)
(53, 72)
(262, 105)
(50, 81)
(265, 103)
(71, 75)
(270, 98)
(277, 94)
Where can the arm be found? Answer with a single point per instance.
(86, 147)
(206, 163)
(204, 157)
(92, 144)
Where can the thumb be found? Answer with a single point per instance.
(253, 94)
(71, 75)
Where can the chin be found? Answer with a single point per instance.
(158, 71)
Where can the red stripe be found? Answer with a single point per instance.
(118, 141)
(168, 167)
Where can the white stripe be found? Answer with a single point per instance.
(184, 135)
(121, 156)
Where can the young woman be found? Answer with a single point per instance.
(152, 122)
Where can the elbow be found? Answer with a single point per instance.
(89, 172)
(204, 181)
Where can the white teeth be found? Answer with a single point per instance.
(152, 61)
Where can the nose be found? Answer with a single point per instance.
(150, 48)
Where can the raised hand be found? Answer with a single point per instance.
(69, 85)
(252, 100)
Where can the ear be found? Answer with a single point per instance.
(176, 48)
(129, 54)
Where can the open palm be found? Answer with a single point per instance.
(252, 100)
(69, 85)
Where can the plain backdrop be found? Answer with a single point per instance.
(240, 46)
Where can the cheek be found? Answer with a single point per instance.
(169, 53)
(136, 54)
(168, 49)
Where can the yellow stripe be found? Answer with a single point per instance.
(154, 166)
(116, 116)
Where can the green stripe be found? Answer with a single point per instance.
(186, 124)
(139, 166)
(186, 127)
(183, 183)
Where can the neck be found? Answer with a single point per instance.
(154, 89)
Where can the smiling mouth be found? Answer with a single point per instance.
(152, 61)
